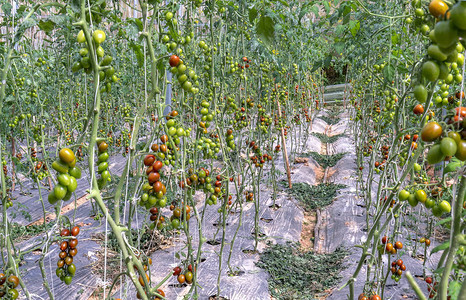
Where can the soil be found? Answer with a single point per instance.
(307, 233)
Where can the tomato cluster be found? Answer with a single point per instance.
(389, 248)
(397, 269)
(102, 164)
(187, 276)
(179, 215)
(8, 287)
(65, 267)
(154, 189)
(183, 73)
(68, 172)
(373, 297)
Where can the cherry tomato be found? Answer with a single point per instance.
(66, 155)
(99, 36)
(431, 131)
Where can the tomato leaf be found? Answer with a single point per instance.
(265, 29)
(441, 247)
(326, 6)
(441, 222)
(388, 73)
(139, 55)
(6, 8)
(454, 288)
(252, 14)
(354, 27)
(284, 3)
(46, 26)
(161, 66)
(76, 6)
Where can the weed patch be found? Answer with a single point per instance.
(326, 161)
(315, 196)
(327, 139)
(295, 274)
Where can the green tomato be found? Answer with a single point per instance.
(152, 200)
(110, 71)
(446, 34)
(100, 51)
(75, 172)
(403, 195)
(107, 61)
(429, 203)
(103, 166)
(81, 37)
(180, 132)
(412, 200)
(99, 37)
(421, 196)
(71, 269)
(60, 167)
(68, 280)
(420, 93)
(73, 184)
(448, 146)
(105, 175)
(175, 223)
(445, 206)
(435, 155)
(102, 157)
(162, 202)
(431, 70)
(171, 131)
(51, 198)
(417, 167)
(60, 191)
(64, 179)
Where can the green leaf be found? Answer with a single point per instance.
(6, 8)
(265, 29)
(389, 73)
(339, 47)
(327, 61)
(395, 38)
(354, 27)
(402, 69)
(137, 22)
(441, 247)
(161, 66)
(284, 3)
(327, 7)
(441, 222)
(46, 26)
(138, 52)
(454, 288)
(76, 6)
(252, 14)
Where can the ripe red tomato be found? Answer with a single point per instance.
(174, 61)
(75, 231)
(418, 109)
(176, 271)
(149, 160)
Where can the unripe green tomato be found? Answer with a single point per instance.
(64, 179)
(403, 195)
(60, 191)
(73, 184)
(412, 200)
